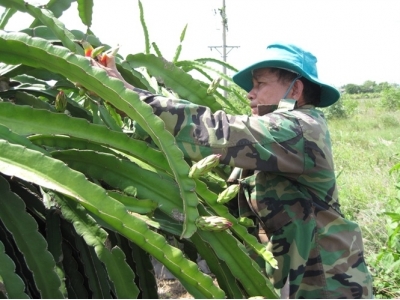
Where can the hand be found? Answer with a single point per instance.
(107, 63)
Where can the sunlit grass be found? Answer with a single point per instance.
(365, 148)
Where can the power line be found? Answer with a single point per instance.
(224, 47)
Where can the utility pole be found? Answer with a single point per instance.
(224, 46)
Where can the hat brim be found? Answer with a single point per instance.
(243, 78)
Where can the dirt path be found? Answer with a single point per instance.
(172, 289)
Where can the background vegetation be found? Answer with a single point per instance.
(73, 168)
(366, 144)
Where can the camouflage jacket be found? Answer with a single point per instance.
(294, 145)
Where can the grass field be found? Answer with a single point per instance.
(366, 146)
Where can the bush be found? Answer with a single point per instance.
(391, 98)
(342, 109)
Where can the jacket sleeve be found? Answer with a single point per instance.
(271, 143)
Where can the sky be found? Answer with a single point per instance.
(353, 40)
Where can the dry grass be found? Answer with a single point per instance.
(172, 289)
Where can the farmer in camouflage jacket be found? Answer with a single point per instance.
(288, 180)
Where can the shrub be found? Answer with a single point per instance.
(391, 98)
(342, 109)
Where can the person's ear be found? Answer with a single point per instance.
(297, 89)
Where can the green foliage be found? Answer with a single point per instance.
(94, 190)
(352, 88)
(391, 98)
(238, 98)
(342, 109)
(386, 263)
(365, 148)
(367, 87)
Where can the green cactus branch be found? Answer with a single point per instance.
(29, 241)
(53, 174)
(114, 260)
(96, 181)
(24, 120)
(37, 52)
(12, 282)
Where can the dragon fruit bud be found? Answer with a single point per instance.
(228, 194)
(204, 165)
(213, 223)
(61, 102)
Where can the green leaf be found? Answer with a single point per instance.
(241, 265)
(179, 48)
(85, 8)
(182, 37)
(94, 270)
(78, 69)
(145, 31)
(8, 135)
(6, 16)
(25, 121)
(12, 282)
(15, 4)
(177, 53)
(21, 268)
(57, 7)
(29, 241)
(118, 271)
(54, 240)
(67, 142)
(47, 18)
(108, 119)
(218, 267)
(123, 175)
(54, 174)
(144, 268)
(74, 279)
(239, 230)
(24, 98)
(140, 206)
(182, 83)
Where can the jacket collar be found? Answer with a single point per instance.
(284, 105)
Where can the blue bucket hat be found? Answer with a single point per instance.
(291, 58)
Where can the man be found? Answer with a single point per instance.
(288, 182)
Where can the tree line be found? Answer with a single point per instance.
(368, 86)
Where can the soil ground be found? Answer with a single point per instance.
(172, 289)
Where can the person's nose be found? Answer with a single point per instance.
(252, 94)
